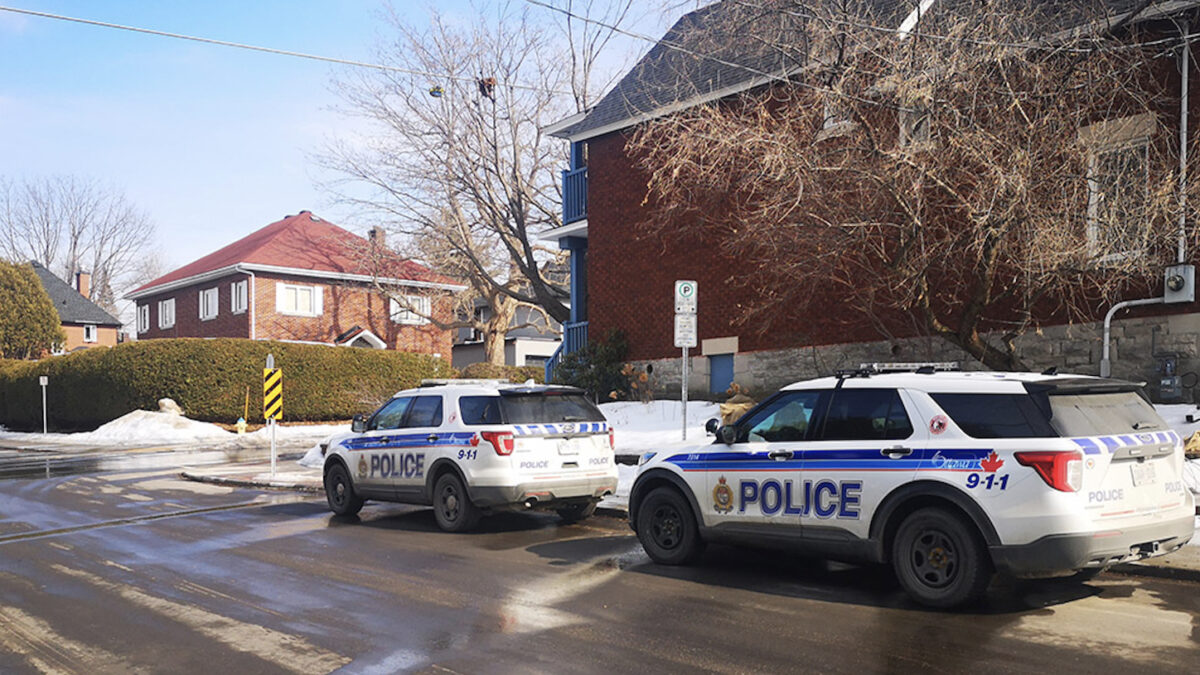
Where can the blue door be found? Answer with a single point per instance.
(720, 373)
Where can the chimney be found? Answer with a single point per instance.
(83, 283)
(376, 236)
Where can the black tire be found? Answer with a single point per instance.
(576, 512)
(666, 526)
(452, 507)
(339, 491)
(940, 560)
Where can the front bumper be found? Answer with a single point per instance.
(1064, 552)
(542, 492)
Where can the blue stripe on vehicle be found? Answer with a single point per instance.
(922, 459)
(1088, 446)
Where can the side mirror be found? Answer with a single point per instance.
(712, 425)
(358, 424)
(727, 435)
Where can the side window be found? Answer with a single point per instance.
(479, 409)
(391, 414)
(866, 415)
(426, 411)
(785, 419)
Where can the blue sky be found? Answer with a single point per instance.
(211, 142)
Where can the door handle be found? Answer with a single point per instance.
(780, 454)
(896, 452)
(432, 437)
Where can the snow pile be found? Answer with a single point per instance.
(655, 426)
(144, 426)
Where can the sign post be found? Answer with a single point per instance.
(685, 334)
(272, 401)
(44, 380)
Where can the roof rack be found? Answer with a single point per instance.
(441, 382)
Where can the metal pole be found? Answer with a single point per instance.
(45, 429)
(272, 448)
(683, 389)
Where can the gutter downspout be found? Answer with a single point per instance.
(252, 295)
(1184, 66)
(1105, 363)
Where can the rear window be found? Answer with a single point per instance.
(548, 408)
(996, 415)
(1103, 414)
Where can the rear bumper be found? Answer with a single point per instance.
(542, 492)
(1063, 552)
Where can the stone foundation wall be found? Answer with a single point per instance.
(1135, 346)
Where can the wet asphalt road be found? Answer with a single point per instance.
(141, 572)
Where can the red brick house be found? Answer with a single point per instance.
(623, 281)
(302, 279)
(84, 322)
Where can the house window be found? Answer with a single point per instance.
(298, 300)
(208, 304)
(239, 296)
(1118, 175)
(914, 127)
(413, 310)
(143, 324)
(166, 313)
(89, 333)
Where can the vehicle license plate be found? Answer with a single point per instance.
(570, 446)
(1143, 473)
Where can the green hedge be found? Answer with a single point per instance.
(514, 374)
(208, 378)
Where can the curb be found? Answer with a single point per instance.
(250, 483)
(1158, 571)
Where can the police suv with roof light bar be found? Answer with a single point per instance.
(947, 476)
(470, 447)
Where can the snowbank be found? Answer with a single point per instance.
(656, 426)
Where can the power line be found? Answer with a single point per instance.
(269, 50)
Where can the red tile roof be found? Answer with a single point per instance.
(304, 241)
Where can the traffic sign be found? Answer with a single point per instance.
(685, 330)
(685, 297)
(272, 393)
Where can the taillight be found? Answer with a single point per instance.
(612, 442)
(502, 441)
(1062, 471)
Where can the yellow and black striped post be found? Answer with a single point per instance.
(272, 393)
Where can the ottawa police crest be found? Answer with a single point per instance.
(722, 496)
(362, 467)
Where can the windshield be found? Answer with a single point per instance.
(548, 408)
(1101, 414)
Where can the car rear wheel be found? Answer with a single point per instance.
(339, 491)
(940, 560)
(452, 507)
(576, 512)
(667, 528)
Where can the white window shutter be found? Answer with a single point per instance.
(318, 300)
(201, 304)
(279, 293)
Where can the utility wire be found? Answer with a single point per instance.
(269, 50)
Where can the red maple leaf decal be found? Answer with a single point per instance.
(991, 463)
(475, 441)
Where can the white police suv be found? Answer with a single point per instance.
(947, 476)
(469, 447)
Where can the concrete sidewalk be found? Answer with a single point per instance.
(1183, 564)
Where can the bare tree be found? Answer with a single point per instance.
(455, 163)
(70, 225)
(974, 172)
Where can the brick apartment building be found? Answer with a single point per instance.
(302, 279)
(624, 280)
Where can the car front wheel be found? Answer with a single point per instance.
(339, 491)
(451, 506)
(940, 560)
(667, 528)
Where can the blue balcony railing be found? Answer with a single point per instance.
(574, 191)
(574, 339)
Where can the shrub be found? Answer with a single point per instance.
(208, 378)
(514, 374)
(596, 367)
(29, 324)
